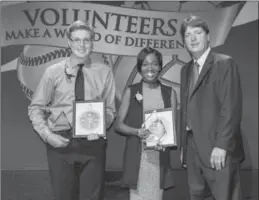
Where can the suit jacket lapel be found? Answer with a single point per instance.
(206, 68)
(188, 79)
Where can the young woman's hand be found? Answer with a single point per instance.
(143, 133)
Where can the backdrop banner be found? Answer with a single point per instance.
(119, 31)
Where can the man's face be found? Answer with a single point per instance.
(81, 43)
(196, 40)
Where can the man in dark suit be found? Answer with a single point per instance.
(211, 110)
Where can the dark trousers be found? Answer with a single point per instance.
(223, 184)
(77, 171)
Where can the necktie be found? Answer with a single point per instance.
(195, 75)
(194, 78)
(79, 84)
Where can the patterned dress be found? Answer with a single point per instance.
(148, 187)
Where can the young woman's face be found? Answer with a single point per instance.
(150, 68)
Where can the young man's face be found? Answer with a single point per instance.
(196, 40)
(81, 43)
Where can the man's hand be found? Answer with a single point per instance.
(93, 137)
(218, 158)
(56, 140)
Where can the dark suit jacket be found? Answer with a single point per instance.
(215, 107)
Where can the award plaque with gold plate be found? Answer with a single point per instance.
(89, 118)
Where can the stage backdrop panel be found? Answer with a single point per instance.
(22, 149)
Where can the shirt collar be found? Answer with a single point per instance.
(71, 67)
(87, 63)
(203, 58)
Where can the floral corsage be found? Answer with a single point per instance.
(138, 96)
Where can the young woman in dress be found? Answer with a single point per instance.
(147, 173)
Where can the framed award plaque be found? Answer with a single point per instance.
(89, 118)
(161, 125)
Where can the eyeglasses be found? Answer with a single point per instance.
(78, 41)
(155, 64)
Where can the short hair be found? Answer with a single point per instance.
(193, 21)
(80, 25)
(146, 51)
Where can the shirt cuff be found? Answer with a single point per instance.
(45, 134)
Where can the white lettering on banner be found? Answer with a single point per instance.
(120, 31)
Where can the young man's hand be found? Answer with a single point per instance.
(56, 140)
(93, 137)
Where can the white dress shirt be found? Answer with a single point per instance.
(202, 59)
